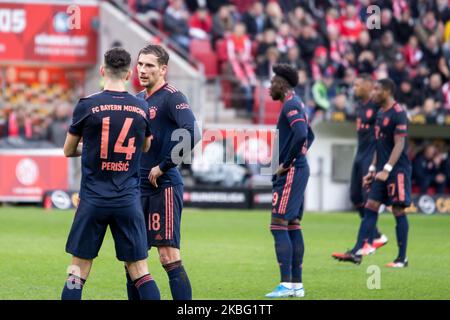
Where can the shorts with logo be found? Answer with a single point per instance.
(396, 190)
(127, 227)
(162, 210)
(288, 193)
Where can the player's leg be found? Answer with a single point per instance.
(130, 239)
(377, 195)
(165, 235)
(298, 251)
(84, 242)
(179, 283)
(400, 197)
(356, 192)
(282, 211)
(78, 273)
(142, 280)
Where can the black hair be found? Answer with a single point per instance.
(117, 62)
(287, 72)
(158, 51)
(364, 76)
(387, 84)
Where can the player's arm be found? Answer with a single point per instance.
(368, 178)
(299, 127)
(147, 143)
(72, 146)
(400, 134)
(181, 113)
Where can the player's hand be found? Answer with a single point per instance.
(155, 173)
(382, 175)
(282, 170)
(368, 179)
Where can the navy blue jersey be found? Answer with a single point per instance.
(390, 123)
(365, 126)
(294, 133)
(169, 110)
(113, 125)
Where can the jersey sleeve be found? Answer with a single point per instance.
(80, 114)
(181, 112)
(148, 131)
(298, 122)
(401, 124)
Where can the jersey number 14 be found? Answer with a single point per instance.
(119, 145)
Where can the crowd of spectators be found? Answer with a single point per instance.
(328, 41)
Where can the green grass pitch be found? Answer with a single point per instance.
(229, 255)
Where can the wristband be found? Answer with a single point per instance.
(372, 169)
(387, 167)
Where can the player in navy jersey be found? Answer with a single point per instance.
(289, 182)
(161, 182)
(365, 127)
(115, 130)
(390, 183)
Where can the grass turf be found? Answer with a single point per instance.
(229, 255)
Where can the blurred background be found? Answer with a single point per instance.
(221, 54)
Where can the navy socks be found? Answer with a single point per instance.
(180, 285)
(283, 249)
(401, 230)
(298, 250)
(73, 288)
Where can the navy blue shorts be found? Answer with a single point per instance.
(127, 227)
(162, 211)
(395, 191)
(358, 194)
(288, 193)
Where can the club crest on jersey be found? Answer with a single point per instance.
(369, 113)
(152, 112)
(385, 122)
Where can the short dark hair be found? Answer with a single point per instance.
(117, 62)
(364, 76)
(161, 54)
(287, 72)
(387, 84)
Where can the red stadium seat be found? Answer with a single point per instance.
(201, 50)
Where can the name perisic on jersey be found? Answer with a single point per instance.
(119, 166)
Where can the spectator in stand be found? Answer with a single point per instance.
(299, 19)
(432, 53)
(386, 24)
(363, 43)
(223, 23)
(274, 15)
(303, 89)
(255, 20)
(320, 64)
(264, 68)
(268, 41)
(409, 98)
(350, 24)
(398, 72)
(404, 27)
(57, 129)
(175, 22)
(425, 170)
(412, 52)
(284, 39)
(18, 124)
(443, 69)
(200, 24)
(428, 26)
(366, 62)
(338, 46)
(239, 48)
(292, 58)
(434, 90)
(308, 41)
(324, 90)
(385, 49)
(446, 94)
(430, 110)
(340, 104)
(150, 10)
(420, 81)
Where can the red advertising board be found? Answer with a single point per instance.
(48, 32)
(26, 175)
